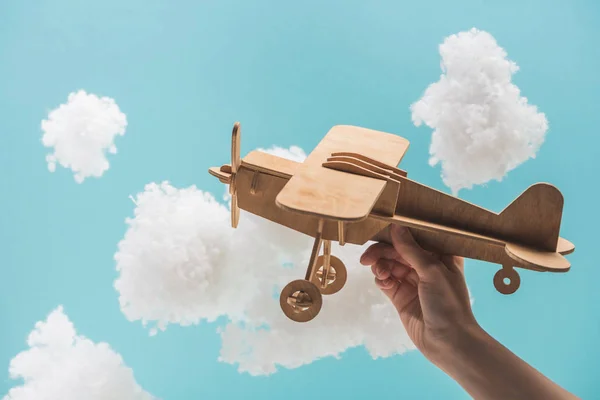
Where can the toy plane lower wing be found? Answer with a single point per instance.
(533, 258)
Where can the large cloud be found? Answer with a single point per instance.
(81, 132)
(483, 128)
(181, 263)
(60, 365)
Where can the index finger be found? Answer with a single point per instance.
(380, 250)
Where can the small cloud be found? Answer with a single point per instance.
(63, 366)
(483, 127)
(81, 132)
(181, 263)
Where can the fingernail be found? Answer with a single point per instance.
(401, 229)
(400, 232)
(387, 282)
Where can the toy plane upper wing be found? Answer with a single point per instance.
(327, 193)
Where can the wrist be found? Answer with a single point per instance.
(477, 362)
(488, 370)
(462, 348)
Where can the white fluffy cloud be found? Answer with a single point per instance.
(81, 132)
(483, 127)
(181, 263)
(294, 153)
(60, 365)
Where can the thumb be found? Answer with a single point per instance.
(421, 261)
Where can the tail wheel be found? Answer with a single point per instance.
(507, 280)
(336, 277)
(301, 300)
(235, 165)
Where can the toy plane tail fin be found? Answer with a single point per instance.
(534, 217)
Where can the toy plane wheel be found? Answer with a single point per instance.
(301, 300)
(336, 277)
(507, 280)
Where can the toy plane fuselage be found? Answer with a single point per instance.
(349, 190)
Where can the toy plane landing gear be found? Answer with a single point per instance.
(301, 300)
(349, 190)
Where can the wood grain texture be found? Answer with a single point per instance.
(433, 227)
(480, 234)
(386, 203)
(300, 300)
(310, 271)
(565, 247)
(452, 241)
(236, 135)
(262, 204)
(514, 280)
(533, 219)
(332, 162)
(350, 190)
(224, 177)
(548, 260)
(337, 274)
(369, 160)
(331, 194)
(270, 164)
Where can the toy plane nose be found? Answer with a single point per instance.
(223, 173)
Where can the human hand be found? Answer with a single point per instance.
(428, 290)
(430, 293)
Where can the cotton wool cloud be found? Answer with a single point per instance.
(482, 126)
(181, 263)
(81, 132)
(61, 365)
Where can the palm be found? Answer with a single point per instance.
(427, 309)
(405, 297)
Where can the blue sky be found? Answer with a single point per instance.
(184, 71)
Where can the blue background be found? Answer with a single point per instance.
(184, 71)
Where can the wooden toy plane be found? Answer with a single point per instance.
(349, 190)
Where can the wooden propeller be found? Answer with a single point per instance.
(235, 165)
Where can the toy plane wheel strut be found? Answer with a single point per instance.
(325, 274)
